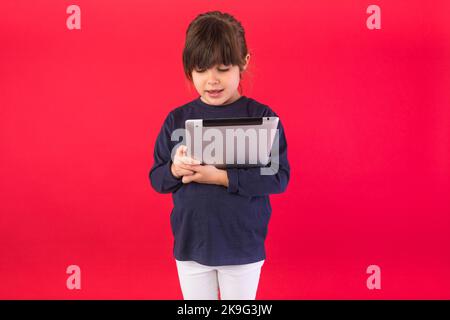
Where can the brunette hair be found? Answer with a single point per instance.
(214, 38)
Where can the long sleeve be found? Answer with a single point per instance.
(250, 181)
(160, 175)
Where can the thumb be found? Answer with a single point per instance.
(190, 178)
(179, 154)
(181, 150)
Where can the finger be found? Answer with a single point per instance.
(192, 167)
(181, 150)
(189, 160)
(184, 149)
(176, 156)
(183, 172)
(188, 179)
(180, 153)
(185, 166)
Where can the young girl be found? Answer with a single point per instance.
(220, 217)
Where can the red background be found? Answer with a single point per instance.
(366, 114)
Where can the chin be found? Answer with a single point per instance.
(217, 101)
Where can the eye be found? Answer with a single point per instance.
(223, 70)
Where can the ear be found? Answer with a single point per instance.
(247, 60)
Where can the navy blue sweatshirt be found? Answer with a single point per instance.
(211, 224)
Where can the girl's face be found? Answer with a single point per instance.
(219, 84)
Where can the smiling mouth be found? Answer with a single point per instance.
(214, 91)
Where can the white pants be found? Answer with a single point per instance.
(236, 282)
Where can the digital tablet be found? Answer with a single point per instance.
(232, 142)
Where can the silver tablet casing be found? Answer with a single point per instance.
(232, 142)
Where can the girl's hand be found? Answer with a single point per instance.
(181, 162)
(208, 174)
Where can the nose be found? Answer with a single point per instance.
(212, 77)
